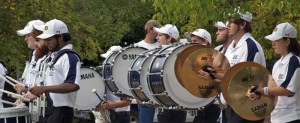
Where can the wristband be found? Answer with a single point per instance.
(266, 90)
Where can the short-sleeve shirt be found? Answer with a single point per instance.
(148, 46)
(286, 72)
(65, 70)
(247, 49)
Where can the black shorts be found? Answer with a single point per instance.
(59, 115)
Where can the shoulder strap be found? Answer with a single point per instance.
(60, 53)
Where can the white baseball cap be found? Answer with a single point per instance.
(282, 30)
(202, 33)
(247, 16)
(111, 50)
(53, 27)
(168, 29)
(34, 24)
(220, 24)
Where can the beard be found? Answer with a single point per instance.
(40, 52)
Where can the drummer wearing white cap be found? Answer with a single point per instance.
(30, 31)
(201, 36)
(167, 35)
(61, 77)
(243, 48)
(286, 73)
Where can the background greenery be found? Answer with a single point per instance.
(96, 25)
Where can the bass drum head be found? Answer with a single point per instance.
(90, 80)
(175, 90)
(121, 66)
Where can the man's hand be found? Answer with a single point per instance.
(20, 88)
(30, 96)
(37, 90)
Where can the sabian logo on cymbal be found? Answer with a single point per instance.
(207, 58)
(260, 110)
(248, 78)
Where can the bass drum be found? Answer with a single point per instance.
(138, 78)
(163, 83)
(90, 80)
(115, 70)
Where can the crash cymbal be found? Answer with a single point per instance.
(236, 83)
(192, 59)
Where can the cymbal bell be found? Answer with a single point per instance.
(192, 59)
(235, 85)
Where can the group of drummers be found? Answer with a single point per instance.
(162, 73)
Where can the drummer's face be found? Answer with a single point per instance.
(30, 39)
(196, 39)
(281, 46)
(163, 39)
(233, 28)
(52, 44)
(222, 35)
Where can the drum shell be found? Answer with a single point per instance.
(138, 78)
(11, 115)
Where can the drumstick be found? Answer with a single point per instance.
(7, 102)
(18, 96)
(12, 79)
(95, 92)
(9, 82)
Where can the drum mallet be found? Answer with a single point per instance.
(95, 92)
(9, 82)
(7, 102)
(16, 95)
(12, 79)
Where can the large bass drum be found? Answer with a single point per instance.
(90, 79)
(115, 70)
(164, 85)
(138, 78)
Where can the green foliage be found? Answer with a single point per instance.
(189, 15)
(94, 25)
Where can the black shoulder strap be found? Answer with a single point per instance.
(60, 53)
(221, 48)
(1, 62)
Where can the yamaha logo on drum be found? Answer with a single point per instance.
(87, 76)
(129, 56)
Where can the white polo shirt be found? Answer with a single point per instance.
(2, 82)
(220, 48)
(65, 70)
(247, 49)
(29, 72)
(286, 73)
(148, 46)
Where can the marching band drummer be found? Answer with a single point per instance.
(222, 36)
(243, 48)
(286, 72)
(30, 31)
(61, 79)
(146, 113)
(119, 107)
(167, 35)
(211, 112)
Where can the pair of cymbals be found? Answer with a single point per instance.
(236, 82)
